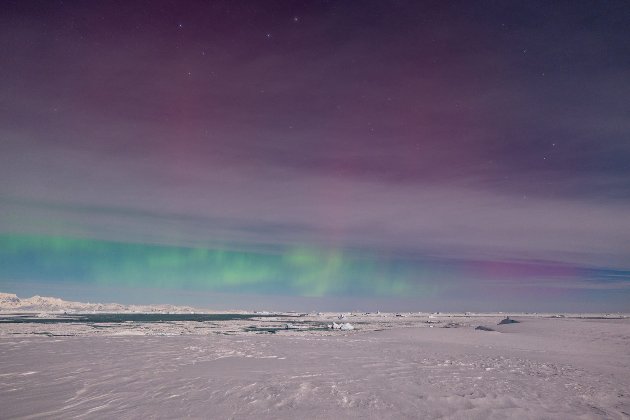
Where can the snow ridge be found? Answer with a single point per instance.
(10, 302)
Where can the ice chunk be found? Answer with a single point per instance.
(482, 328)
(334, 326)
(507, 320)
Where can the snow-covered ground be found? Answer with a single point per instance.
(388, 366)
(9, 302)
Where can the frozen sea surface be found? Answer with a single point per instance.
(99, 318)
(539, 368)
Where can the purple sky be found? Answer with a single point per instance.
(492, 131)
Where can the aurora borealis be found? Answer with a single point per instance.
(334, 155)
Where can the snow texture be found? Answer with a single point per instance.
(544, 366)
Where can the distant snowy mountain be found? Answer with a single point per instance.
(9, 302)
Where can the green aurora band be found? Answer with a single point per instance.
(302, 271)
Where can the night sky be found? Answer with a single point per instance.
(332, 155)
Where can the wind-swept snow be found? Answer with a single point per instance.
(291, 365)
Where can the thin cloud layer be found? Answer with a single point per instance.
(450, 132)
